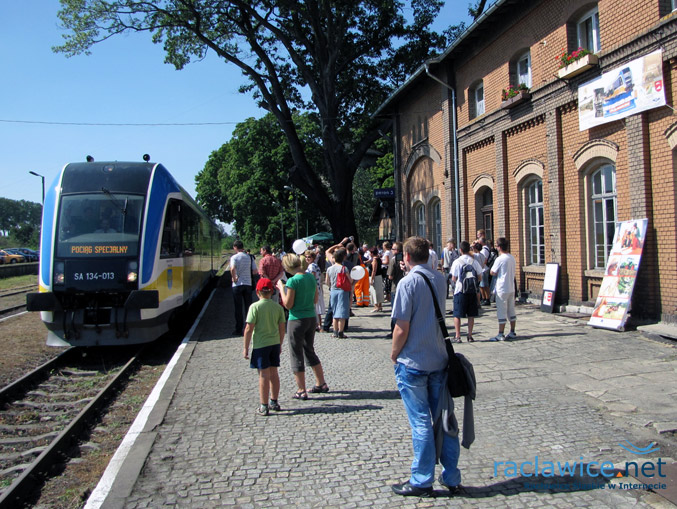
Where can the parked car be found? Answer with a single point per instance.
(30, 254)
(8, 257)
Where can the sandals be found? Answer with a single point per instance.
(320, 388)
(471, 339)
(455, 340)
(301, 395)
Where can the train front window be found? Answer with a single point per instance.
(102, 223)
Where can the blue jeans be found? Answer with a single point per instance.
(420, 393)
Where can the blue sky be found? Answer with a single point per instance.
(123, 81)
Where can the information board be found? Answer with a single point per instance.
(550, 287)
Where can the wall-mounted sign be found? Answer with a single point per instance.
(631, 88)
(386, 192)
(613, 300)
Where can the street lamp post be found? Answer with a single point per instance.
(43, 184)
(279, 207)
(292, 188)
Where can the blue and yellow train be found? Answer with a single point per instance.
(123, 249)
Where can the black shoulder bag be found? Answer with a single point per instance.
(456, 380)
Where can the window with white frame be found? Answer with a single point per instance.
(476, 100)
(603, 201)
(437, 226)
(534, 194)
(523, 69)
(419, 214)
(587, 31)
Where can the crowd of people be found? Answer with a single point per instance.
(290, 290)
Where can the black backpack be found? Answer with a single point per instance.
(469, 283)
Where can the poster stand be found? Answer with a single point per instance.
(615, 294)
(550, 287)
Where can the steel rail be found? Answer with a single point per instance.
(11, 309)
(20, 385)
(16, 493)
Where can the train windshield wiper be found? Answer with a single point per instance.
(115, 200)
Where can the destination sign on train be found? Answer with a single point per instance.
(87, 249)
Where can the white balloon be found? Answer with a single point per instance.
(357, 272)
(299, 246)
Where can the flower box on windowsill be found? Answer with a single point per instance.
(522, 96)
(581, 65)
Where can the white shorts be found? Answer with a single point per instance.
(505, 307)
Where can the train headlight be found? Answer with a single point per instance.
(132, 271)
(59, 273)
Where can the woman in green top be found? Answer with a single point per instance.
(299, 296)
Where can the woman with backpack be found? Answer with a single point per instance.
(339, 282)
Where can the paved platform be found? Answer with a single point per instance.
(562, 392)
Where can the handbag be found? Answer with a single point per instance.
(342, 282)
(457, 384)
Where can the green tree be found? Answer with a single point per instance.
(244, 182)
(336, 58)
(20, 219)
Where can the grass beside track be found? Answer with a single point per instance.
(18, 281)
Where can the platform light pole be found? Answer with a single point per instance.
(292, 188)
(43, 184)
(279, 207)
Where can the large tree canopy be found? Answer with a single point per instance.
(244, 182)
(336, 58)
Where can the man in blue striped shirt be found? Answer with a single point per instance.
(420, 359)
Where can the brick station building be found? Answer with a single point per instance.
(523, 168)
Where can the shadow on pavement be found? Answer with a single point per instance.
(539, 483)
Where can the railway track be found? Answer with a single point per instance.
(45, 412)
(13, 301)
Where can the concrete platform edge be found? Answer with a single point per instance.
(124, 467)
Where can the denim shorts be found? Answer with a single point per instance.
(484, 283)
(265, 357)
(465, 305)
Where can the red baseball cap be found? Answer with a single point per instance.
(264, 284)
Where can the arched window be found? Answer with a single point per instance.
(603, 202)
(476, 99)
(534, 193)
(419, 215)
(587, 30)
(437, 226)
(523, 69)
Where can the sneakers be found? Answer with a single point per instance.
(498, 337)
(407, 490)
(274, 405)
(262, 410)
(511, 335)
(453, 490)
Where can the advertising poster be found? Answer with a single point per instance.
(613, 301)
(549, 287)
(631, 88)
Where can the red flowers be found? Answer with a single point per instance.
(512, 91)
(565, 59)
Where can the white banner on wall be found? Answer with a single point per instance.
(631, 88)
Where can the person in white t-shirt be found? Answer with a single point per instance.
(465, 305)
(433, 259)
(503, 270)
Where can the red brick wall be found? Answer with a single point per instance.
(478, 160)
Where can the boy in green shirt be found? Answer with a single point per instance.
(265, 320)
